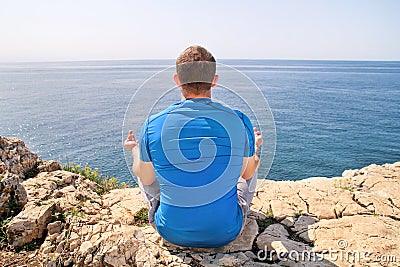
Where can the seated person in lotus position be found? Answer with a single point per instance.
(196, 161)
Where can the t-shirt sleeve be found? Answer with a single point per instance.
(144, 143)
(250, 142)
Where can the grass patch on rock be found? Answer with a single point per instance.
(142, 217)
(264, 223)
(106, 183)
(3, 231)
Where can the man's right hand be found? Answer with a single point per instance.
(258, 136)
(130, 142)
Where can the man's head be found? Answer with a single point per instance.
(195, 69)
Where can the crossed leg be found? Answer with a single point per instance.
(245, 192)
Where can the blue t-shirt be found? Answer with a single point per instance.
(197, 148)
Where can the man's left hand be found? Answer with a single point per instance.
(130, 141)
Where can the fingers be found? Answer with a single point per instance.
(130, 141)
(258, 136)
(256, 132)
(131, 137)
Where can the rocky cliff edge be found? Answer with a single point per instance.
(52, 217)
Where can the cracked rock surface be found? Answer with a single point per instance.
(357, 214)
(353, 220)
(15, 157)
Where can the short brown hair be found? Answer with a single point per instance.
(196, 69)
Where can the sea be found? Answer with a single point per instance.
(328, 116)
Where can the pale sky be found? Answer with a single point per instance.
(57, 30)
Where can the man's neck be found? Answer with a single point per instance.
(208, 95)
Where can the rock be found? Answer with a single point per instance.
(29, 224)
(245, 240)
(54, 227)
(100, 243)
(301, 226)
(273, 196)
(349, 173)
(233, 260)
(49, 166)
(277, 242)
(259, 264)
(309, 210)
(250, 255)
(13, 196)
(288, 221)
(271, 233)
(124, 203)
(115, 247)
(197, 257)
(15, 157)
(48, 248)
(377, 235)
(73, 245)
(64, 189)
(145, 257)
(60, 247)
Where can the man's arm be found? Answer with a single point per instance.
(143, 170)
(251, 164)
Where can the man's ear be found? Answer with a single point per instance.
(177, 81)
(215, 80)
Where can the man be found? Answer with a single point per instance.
(196, 161)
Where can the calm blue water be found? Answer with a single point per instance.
(329, 115)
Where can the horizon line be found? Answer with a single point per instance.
(152, 59)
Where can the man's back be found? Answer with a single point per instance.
(197, 148)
